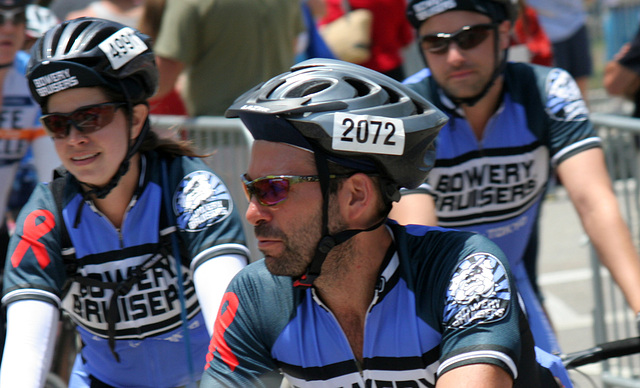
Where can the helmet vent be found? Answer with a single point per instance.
(361, 88)
(393, 96)
(308, 88)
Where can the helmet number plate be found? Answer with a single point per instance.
(122, 47)
(368, 134)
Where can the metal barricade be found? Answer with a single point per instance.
(228, 143)
(613, 319)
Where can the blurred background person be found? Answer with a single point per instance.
(530, 43)
(622, 74)
(224, 49)
(390, 32)
(565, 22)
(150, 21)
(127, 12)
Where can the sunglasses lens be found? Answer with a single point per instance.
(87, 120)
(435, 44)
(472, 37)
(13, 18)
(93, 118)
(466, 39)
(271, 191)
(56, 125)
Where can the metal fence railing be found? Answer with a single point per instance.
(228, 143)
(612, 318)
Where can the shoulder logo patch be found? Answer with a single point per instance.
(564, 101)
(201, 200)
(479, 292)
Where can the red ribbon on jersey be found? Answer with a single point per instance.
(32, 231)
(225, 318)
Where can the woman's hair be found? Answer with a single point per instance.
(152, 141)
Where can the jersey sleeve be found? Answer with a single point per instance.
(480, 316)
(34, 267)
(254, 310)
(205, 212)
(567, 117)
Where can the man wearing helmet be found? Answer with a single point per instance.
(342, 297)
(510, 125)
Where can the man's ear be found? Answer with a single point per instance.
(504, 31)
(138, 117)
(359, 195)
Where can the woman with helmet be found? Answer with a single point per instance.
(343, 297)
(136, 241)
(512, 128)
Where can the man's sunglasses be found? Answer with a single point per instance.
(15, 16)
(466, 38)
(87, 119)
(270, 190)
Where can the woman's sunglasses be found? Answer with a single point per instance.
(270, 190)
(86, 119)
(466, 38)
(15, 17)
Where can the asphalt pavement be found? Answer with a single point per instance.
(566, 279)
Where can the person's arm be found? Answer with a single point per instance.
(211, 279)
(30, 341)
(475, 376)
(587, 181)
(168, 70)
(619, 80)
(415, 207)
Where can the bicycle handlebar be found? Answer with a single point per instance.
(601, 352)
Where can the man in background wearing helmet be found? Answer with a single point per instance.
(510, 125)
(344, 298)
(39, 20)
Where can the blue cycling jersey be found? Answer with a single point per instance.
(138, 258)
(443, 299)
(495, 185)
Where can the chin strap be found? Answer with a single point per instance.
(328, 241)
(326, 244)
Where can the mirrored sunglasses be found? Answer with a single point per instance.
(270, 190)
(466, 38)
(86, 119)
(14, 16)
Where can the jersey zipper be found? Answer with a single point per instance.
(126, 212)
(376, 296)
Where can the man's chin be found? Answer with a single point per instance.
(278, 267)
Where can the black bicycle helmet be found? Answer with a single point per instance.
(353, 116)
(497, 10)
(89, 52)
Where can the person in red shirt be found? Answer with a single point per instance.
(390, 32)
